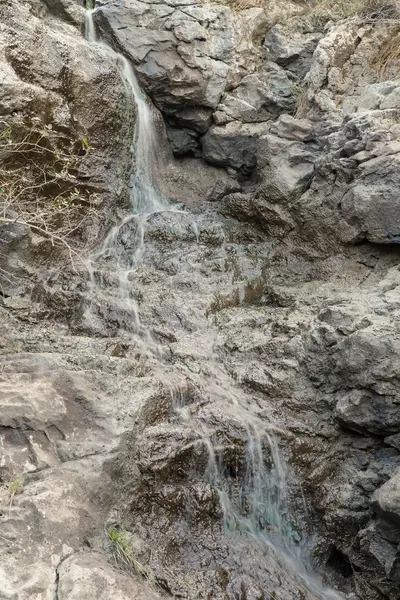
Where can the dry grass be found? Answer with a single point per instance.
(123, 554)
(302, 103)
(321, 12)
(238, 5)
(387, 58)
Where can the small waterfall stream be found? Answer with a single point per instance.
(258, 508)
(146, 200)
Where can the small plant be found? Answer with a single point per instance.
(302, 103)
(250, 293)
(122, 551)
(232, 264)
(14, 487)
(221, 301)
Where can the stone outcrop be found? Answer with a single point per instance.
(257, 338)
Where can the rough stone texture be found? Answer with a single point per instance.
(232, 145)
(183, 54)
(386, 500)
(51, 76)
(87, 575)
(371, 205)
(268, 297)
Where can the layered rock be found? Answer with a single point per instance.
(268, 308)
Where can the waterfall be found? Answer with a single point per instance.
(258, 509)
(146, 200)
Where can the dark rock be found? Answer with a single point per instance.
(197, 119)
(365, 410)
(393, 440)
(290, 49)
(371, 206)
(232, 145)
(183, 142)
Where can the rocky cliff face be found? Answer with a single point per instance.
(268, 296)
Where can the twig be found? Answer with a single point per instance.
(52, 236)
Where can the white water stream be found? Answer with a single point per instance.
(258, 509)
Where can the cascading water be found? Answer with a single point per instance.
(258, 507)
(145, 198)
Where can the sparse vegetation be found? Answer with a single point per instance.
(123, 553)
(387, 120)
(321, 12)
(39, 181)
(302, 104)
(250, 293)
(14, 488)
(387, 58)
(232, 263)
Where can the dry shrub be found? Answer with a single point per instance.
(251, 293)
(39, 184)
(238, 5)
(387, 59)
(302, 103)
(321, 12)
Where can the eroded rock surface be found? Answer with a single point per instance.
(259, 334)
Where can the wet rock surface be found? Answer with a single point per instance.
(260, 334)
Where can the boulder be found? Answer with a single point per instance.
(183, 55)
(365, 410)
(372, 205)
(232, 145)
(386, 500)
(259, 97)
(183, 142)
(285, 167)
(290, 48)
(89, 575)
(290, 128)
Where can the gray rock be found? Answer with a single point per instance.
(183, 55)
(290, 49)
(57, 82)
(183, 142)
(290, 128)
(270, 217)
(198, 119)
(253, 324)
(67, 10)
(393, 440)
(286, 168)
(365, 410)
(387, 530)
(371, 205)
(232, 145)
(373, 95)
(192, 181)
(381, 550)
(386, 500)
(88, 575)
(258, 98)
